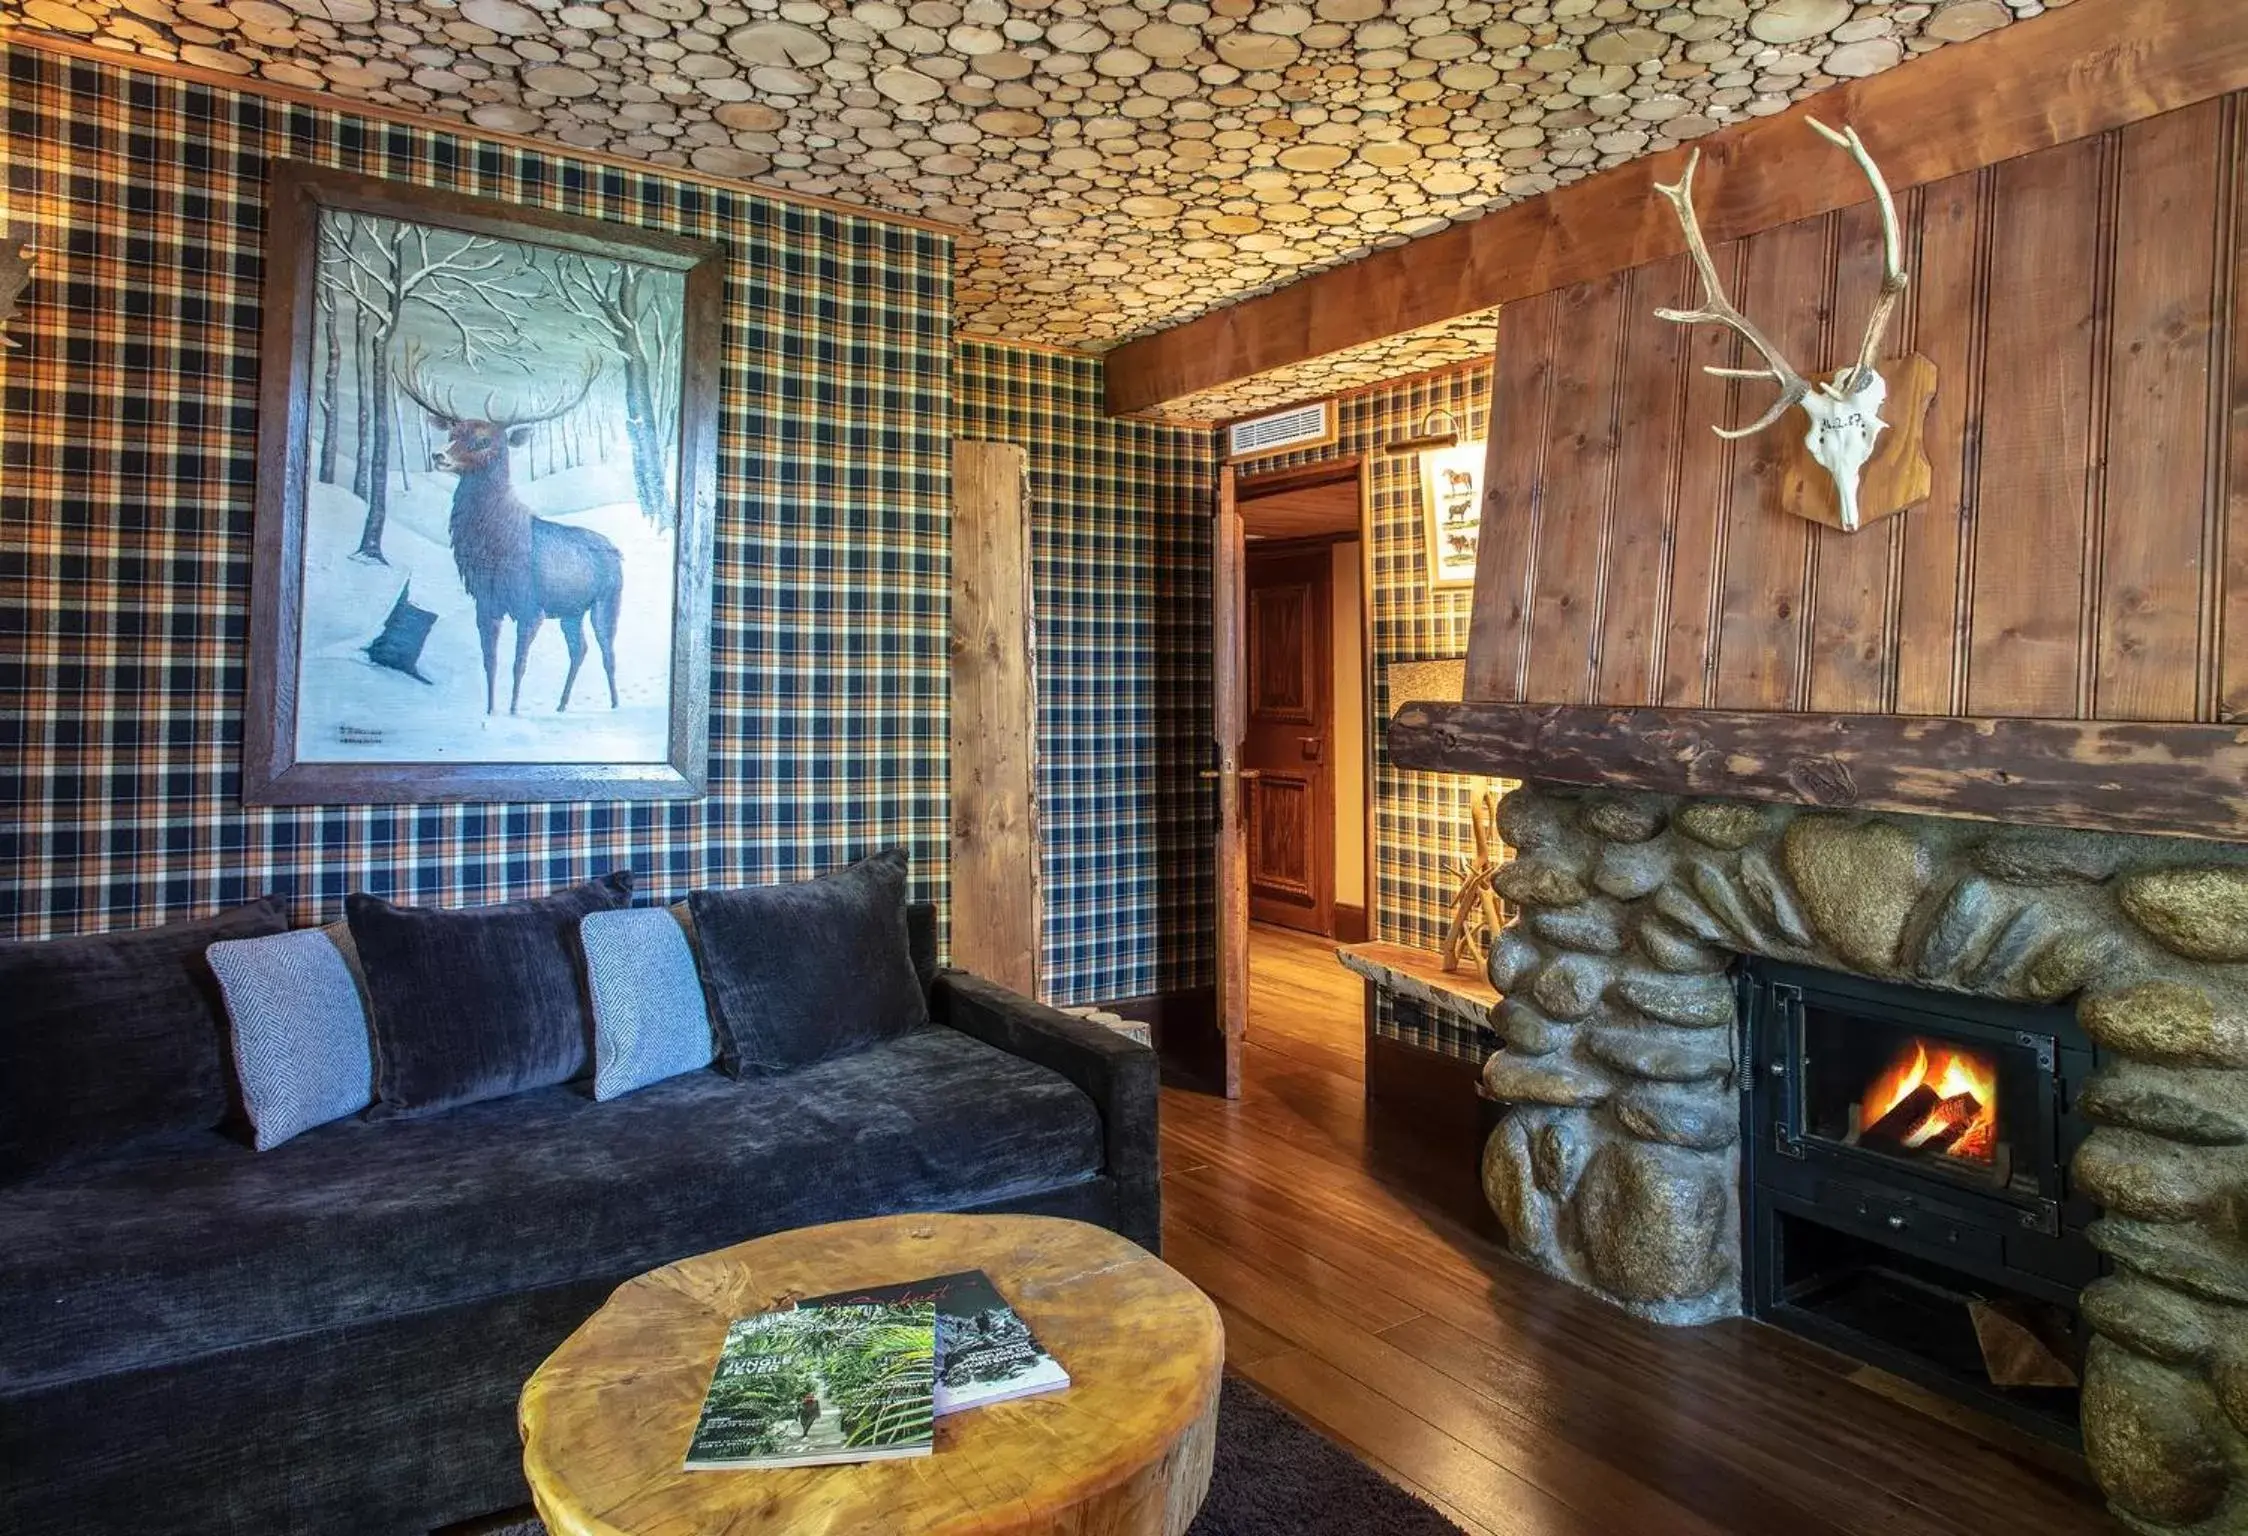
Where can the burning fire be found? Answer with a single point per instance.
(1945, 1102)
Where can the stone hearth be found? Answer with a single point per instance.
(1617, 1164)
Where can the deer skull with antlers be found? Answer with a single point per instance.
(1844, 411)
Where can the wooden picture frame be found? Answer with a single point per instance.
(450, 343)
(1452, 512)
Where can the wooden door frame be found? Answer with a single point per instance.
(1228, 703)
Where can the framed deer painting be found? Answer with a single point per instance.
(487, 468)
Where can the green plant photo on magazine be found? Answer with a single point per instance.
(820, 1384)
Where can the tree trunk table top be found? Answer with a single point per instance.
(1124, 1450)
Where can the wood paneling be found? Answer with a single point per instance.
(2080, 306)
(997, 913)
(2146, 665)
(2083, 70)
(2042, 310)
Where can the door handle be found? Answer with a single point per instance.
(1239, 773)
(1314, 747)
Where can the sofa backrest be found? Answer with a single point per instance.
(921, 938)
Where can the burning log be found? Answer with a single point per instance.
(1903, 1117)
(1945, 1124)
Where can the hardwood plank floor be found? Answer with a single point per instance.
(1515, 1403)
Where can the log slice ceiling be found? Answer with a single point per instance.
(1112, 170)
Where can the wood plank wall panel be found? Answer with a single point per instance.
(2084, 553)
(1850, 574)
(2149, 596)
(1705, 467)
(1760, 624)
(1580, 433)
(2042, 310)
(1937, 565)
(1643, 509)
(1514, 481)
(2231, 411)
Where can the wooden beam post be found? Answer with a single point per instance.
(2065, 75)
(2178, 780)
(997, 912)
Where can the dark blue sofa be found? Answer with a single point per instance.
(329, 1337)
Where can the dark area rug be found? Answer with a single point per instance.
(1273, 1476)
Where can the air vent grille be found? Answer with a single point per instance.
(1296, 427)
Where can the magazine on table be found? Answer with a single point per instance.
(818, 1385)
(986, 1353)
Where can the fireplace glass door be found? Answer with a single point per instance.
(1968, 1106)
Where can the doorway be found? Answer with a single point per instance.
(1293, 700)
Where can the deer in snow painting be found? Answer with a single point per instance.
(514, 565)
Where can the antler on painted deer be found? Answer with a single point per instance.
(415, 382)
(1845, 411)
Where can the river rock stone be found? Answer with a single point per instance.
(1537, 883)
(2150, 1435)
(1673, 902)
(1628, 871)
(1570, 987)
(2046, 858)
(1662, 1055)
(1528, 820)
(1512, 958)
(1694, 1002)
(2166, 1021)
(1620, 820)
(1768, 893)
(1528, 1032)
(2199, 1262)
(1558, 1150)
(2201, 913)
(1510, 1186)
(1653, 1222)
(1594, 927)
(1673, 951)
(1511, 1081)
(1722, 898)
(1705, 1121)
(2229, 1376)
(1719, 823)
(2133, 1174)
(1859, 881)
(2152, 1319)
(2061, 967)
(2189, 1104)
(1964, 930)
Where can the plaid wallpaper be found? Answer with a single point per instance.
(1120, 544)
(1420, 819)
(128, 430)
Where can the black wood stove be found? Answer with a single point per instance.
(1906, 1171)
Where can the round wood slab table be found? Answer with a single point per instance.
(1124, 1450)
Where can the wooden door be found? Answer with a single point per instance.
(1227, 720)
(1289, 694)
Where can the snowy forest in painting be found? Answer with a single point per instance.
(492, 462)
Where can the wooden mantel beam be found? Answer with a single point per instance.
(2182, 780)
(2070, 73)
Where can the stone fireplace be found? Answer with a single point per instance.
(1618, 1163)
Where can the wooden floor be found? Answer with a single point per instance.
(1516, 1404)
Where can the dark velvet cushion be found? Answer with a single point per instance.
(799, 973)
(478, 1002)
(187, 1246)
(110, 1037)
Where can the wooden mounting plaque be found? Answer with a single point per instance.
(2184, 780)
(1897, 477)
